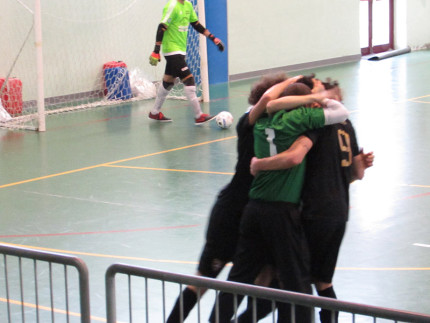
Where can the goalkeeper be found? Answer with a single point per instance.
(172, 34)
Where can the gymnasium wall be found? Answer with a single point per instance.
(418, 23)
(263, 36)
(271, 34)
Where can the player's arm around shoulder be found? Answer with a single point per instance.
(293, 156)
(271, 94)
(294, 101)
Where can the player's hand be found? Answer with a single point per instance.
(294, 79)
(320, 99)
(154, 58)
(367, 158)
(253, 168)
(337, 93)
(219, 44)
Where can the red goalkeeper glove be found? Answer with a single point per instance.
(154, 58)
(217, 42)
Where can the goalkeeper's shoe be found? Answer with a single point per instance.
(203, 119)
(159, 117)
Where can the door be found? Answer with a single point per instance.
(376, 26)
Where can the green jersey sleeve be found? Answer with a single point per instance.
(298, 120)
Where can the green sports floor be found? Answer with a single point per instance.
(108, 185)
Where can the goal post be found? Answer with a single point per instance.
(56, 54)
(39, 65)
(203, 53)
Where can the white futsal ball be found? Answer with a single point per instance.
(224, 119)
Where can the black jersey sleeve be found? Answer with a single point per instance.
(313, 135)
(354, 145)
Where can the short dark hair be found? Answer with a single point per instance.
(296, 89)
(307, 80)
(262, 85)
(329, 84)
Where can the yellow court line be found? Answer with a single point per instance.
(171, 170)
(412, 99)
(170, 150)
(102, 255)
(46, 308)
(420, 97)
(415, 185)
(195, 262)
(417, 101)
(114, 162)
(383, 269)
(50, 176)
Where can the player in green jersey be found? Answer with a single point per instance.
(270, 227)
(172, 35)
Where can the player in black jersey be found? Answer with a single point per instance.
(223, 226)
(332, 164)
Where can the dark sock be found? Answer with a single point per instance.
(325, 315)
(264, 307)
(189, 300)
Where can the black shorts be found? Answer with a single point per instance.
(324, 239)
(176, 66)
(221, 237)
(272, 232)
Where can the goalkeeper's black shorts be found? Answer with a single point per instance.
(176, 66)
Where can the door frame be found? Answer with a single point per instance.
(384, 47)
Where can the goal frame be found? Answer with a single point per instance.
(42, 112)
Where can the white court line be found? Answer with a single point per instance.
(92, 200)
(422, 245)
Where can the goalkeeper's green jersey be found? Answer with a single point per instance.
(177, 17)
(276, 134)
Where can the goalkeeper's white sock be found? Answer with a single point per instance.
(159, 100)
(190, 93)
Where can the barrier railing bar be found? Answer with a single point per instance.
(51, 292)
(52, 257)
(130, 315)
(256, 291)
(7, 288)
(36, 290)
(66, 287)
(181, 304)
(146, 300)
(21, 288)
(198, 305)
(163, 287)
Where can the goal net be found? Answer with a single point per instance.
(95, 53)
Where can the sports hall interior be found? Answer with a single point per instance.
(108, 185)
